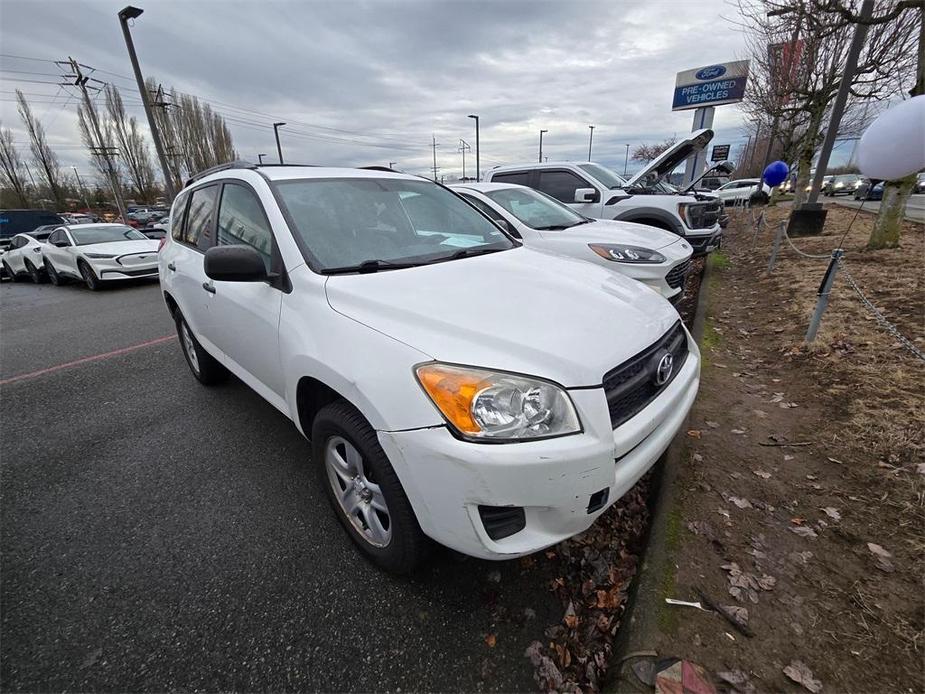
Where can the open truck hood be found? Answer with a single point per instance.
(668, 160)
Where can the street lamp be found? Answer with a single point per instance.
(392, 164)
(260, 158)
(626, 159)
(279, 150)
(81, 186)
(125, 15)
(590, 140)
(478, 161)
(541, 145)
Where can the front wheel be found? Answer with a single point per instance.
(364, 490)
(90, 278)
(204, 366)
(34, 273)
(53, 275)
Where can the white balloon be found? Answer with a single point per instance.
(894, 144)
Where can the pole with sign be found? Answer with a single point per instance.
(720, 153)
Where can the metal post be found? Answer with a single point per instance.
(590, 140)
(838, 107)
(540, 160)
(626, 159)
(823, 301)
(775, 249)
(478, 151)
(279, 149)
(434, 138)
(81, 186)
(125, 15)
(703, 118)
(260, 158)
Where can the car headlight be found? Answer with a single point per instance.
(99, 255)
(620, 253)
(839, 185)
(483, 405)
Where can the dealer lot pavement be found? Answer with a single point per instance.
(158, 535)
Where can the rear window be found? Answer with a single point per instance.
(14, 222)
(521, 178)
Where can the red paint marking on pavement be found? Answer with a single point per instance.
(84, 360)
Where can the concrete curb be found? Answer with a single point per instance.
(646, 598)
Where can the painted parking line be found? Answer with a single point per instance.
(85, 360)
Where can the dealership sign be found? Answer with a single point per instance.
(711, 85)
(720, 153)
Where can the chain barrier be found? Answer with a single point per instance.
(805, 255)
(881, 319)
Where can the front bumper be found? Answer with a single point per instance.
(703, 244)
(111, 270)
(555, 481)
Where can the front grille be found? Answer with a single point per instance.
(502, 521)
(675, 276)
(633, 385)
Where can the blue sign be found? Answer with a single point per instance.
(709, 93)
(711, 73)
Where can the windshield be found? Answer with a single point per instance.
(536, 210)
(604, 175)
(349, 221)
(848, 178)
(90, 235)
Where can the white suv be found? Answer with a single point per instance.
(596, 191)
(454, 384)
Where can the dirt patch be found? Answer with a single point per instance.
(803, 486)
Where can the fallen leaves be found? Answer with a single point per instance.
(883, 557)
(802, 675)
(491, 640)
(762, 474)
(743, 584)
(695, 433)
(803, 531)
(832, 513)
(740, 502)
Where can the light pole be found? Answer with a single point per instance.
(541, 145)
(279, 149)
(260, 158)
(590, 140)
(81, 186)
(392, 164)
(478, 160)
(126, 14)
(626, 159)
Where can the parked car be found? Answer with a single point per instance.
(153, 233)
(653, 256)
(866, 191)
(99, 253)
(845, 184)
(596, 191)
(24, 256)
(826, 183)
(919, 183)
(455, 384)
(740, 190)
(161, 223)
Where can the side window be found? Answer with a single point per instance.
(494, 215)
(241, 220)
(18, 242)
(519, 177)
(561, 184)
(179, 215)
(55, 237)
(200, 218)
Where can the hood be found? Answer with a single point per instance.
(121, 247)
(631, 233)
(520, 310)
(668, 160)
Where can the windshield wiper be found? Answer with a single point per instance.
(583, 221)
(367, 266)
(553, 227)
(469, 252)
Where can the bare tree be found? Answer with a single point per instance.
(47, 162)
(648, 152)
(124, 132)
(12, 168)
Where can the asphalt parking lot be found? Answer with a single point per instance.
(160, 535)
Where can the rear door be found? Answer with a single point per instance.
(561, 184)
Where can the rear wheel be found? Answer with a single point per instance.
(35, 273)
(90, 278)
(9, 272)
(204, 366)
(364, 490)
(53, 275)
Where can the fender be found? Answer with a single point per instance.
(638, 214)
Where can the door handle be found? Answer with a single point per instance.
(171, 266)
(208, 287)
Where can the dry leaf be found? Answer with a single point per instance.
(878, 550)
(762, 474)
(738, 432)
(740, 502)
(694, 433)
(801, 674)
(712, 424)
(803, 531)
(490, 640)
(798, 520)
(832, 513)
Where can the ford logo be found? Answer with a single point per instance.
(711, 72)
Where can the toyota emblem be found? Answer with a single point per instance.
(664, 369)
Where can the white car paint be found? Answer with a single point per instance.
(131, 258)
(740, 189)
(665, 277)
(24, 256)
(362, 335)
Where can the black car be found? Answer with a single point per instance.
(869, 190)
(14, 222)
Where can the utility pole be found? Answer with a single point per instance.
(167, 136)
(81, 186)
(540, 160)
(463, 147)
(434, 138)
(392, 164)
(626, 159)
(126, 14)
(279, 149)
(101, 149)
(590, 140)
(478, 150)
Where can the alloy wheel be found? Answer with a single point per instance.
(359, 497)
(189, 346)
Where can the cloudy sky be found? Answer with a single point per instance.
(370, 82)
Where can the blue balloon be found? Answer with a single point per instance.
(776, 173)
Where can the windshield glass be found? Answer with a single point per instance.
(536, 210)
(847, 178)
(348, 221)
(606, 176)
(84, 237)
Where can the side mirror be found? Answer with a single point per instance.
(61, 244)
(234, 264)
(587, 195)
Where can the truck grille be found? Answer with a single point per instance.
(634, 384)
(675, 276)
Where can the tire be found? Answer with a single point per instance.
(53, 275)
(9, 272)
(204, 367)
(35, 273)
(90, 279)
(391, 537)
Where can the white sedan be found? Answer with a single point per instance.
(655, 257)
(740, 189)
(97, 253)
(24, 258)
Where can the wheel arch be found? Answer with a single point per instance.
(312, 395)
(653, 216)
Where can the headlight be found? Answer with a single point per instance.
(626, 254)
(99, 255)
(486, 405)
(839, 185)
(692, 214)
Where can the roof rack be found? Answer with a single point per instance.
(237, 164)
